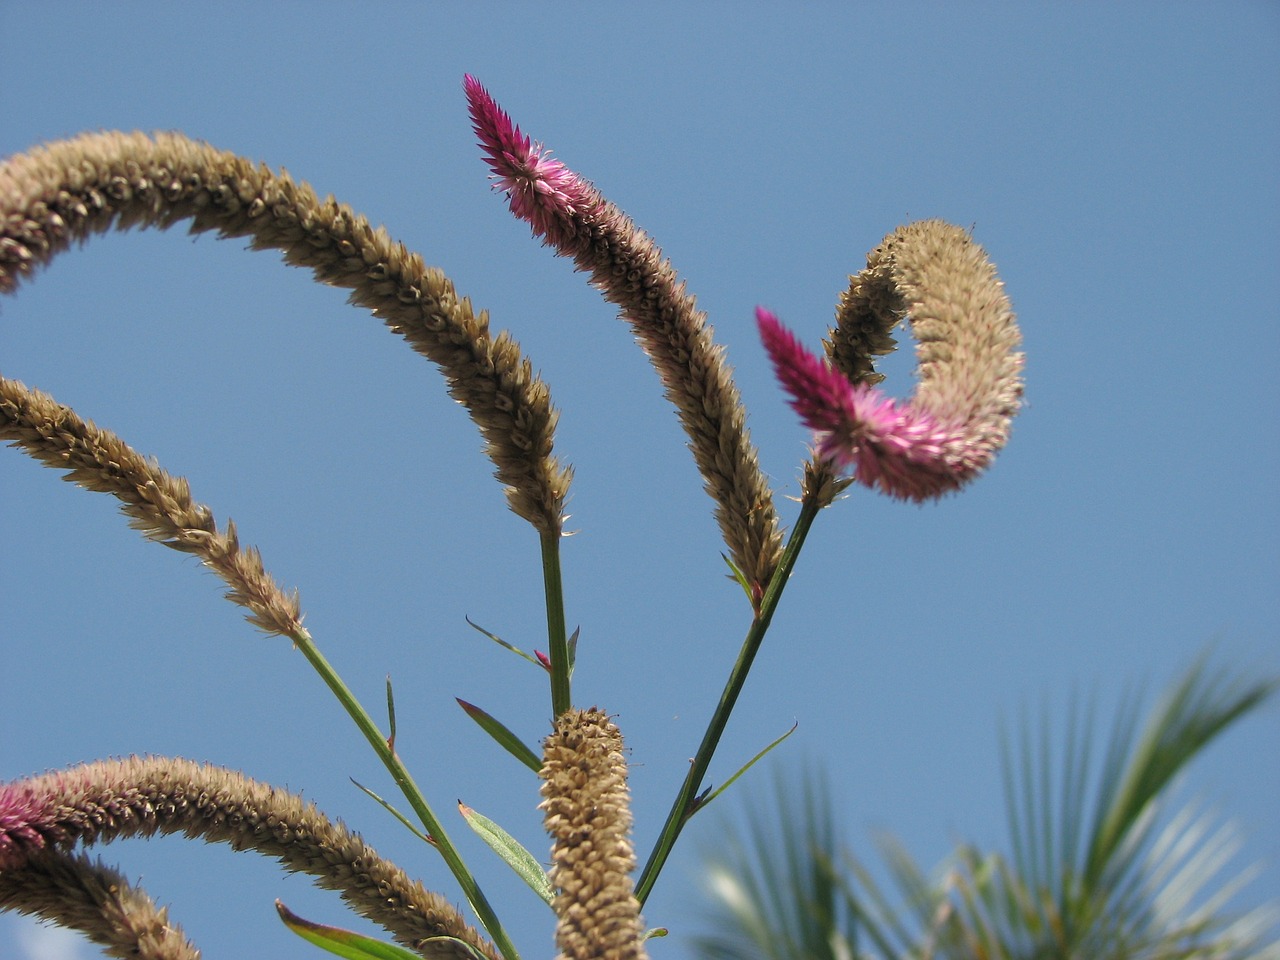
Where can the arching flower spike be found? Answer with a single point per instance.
(970, 371)
(574, 218)
(896, 449)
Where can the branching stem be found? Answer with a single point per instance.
(435, 830)
(684, 804)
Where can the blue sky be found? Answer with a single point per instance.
(1117, 161)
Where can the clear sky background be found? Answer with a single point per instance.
(1117, 161)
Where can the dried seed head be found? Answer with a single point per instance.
(143, 796)
(586, 809)
(73, 891)
(159, 505)
(865, 317)
(64, 192)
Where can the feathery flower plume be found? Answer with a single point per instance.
(140, 797)
(65, 191)
(970, 371)
(587, 810)
(159, 505)
(629, 269)
(73, 891)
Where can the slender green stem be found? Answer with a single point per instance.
(556, 633)
(470, 888)
(685, 800)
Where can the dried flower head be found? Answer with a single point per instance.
(586, 808)
(159, 505)
(76, 892)
(143, 796)
(54, 195)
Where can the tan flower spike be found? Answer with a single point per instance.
(63, 192)
(587, 810)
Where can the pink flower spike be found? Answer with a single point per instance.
(24, 824)
(540, 189)
(898, 450)
(818, 393)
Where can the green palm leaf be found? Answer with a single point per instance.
(777, 896)
(1100, 868)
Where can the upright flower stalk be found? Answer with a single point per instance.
(629, 269)
(969, 366)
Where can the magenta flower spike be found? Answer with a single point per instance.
(22, 824)
(892, 447)
(969, 367)
(570, 215)
(540, 189)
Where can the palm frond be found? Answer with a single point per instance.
(1101, 868)
(773, 884)
(1199, 707)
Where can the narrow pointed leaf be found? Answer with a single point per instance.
(707, 798)
(573, 649)
(736, 574)
(512, 853)
(394, 812)
(462, 945)
(504, 737)
(500, 642)
(391, 716)
(344, 943)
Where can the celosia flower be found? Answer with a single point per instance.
(970, 371)
(900, 450)
(23, 824)
(571, 216)
(143, 796)
(540, 188)
(587, 810)
(66, 191)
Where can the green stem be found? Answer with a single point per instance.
(556, 632)
(470, 888)
(684, 804)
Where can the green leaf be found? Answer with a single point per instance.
(504, 737)
(707, 798)
(462, 945)
(512, 853)
(394, 812)
(738, 576)
(344, 943)
(573, 649)
(391, 716)
(502, 643)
